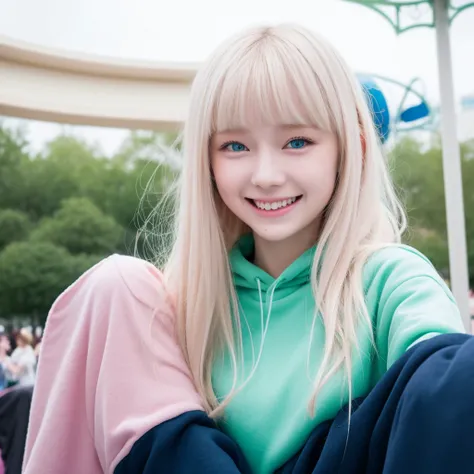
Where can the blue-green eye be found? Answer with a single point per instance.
(297, 143)
(236, 147)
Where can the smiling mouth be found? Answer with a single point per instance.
(274, 205)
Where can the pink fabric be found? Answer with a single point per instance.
(110, 370)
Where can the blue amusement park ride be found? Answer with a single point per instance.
(404, 118)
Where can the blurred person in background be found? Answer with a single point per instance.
(17, 370)
(22, 363)
(5, 348)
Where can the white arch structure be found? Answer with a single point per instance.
(57, 86)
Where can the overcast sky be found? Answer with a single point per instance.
(188, 30)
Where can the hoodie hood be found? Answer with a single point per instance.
(247, 275)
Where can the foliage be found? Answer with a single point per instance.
(13, 158)
(80, 227)
(418, 173)
(14, 226)
(67, 207)
(31, 276)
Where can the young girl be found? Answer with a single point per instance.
(286, 295)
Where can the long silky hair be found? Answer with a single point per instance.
(277, 75)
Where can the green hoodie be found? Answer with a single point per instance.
(269, 419)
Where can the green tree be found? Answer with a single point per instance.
(434, 246)
(82, 262)
(131, 182)
(138, 176)
(13, 159)
(418, 174)
(67, 167)
(145, 146)
(75, 206)
(14, 226)
(32, 275)
(81, 228)
(467, 154)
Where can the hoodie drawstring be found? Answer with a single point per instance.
(264, 327)
(264, 324)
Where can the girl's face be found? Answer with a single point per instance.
(276, 178)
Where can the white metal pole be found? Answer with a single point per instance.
(452, 165)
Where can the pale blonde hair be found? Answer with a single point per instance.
(279, 74)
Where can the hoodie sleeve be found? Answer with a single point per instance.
(412, 303)
(110, 370)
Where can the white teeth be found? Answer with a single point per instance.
(274, 205)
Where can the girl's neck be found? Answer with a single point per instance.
(275, 256)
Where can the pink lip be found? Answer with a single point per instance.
(273, 212)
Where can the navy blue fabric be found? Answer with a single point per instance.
(190, 443)
(418, 419)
